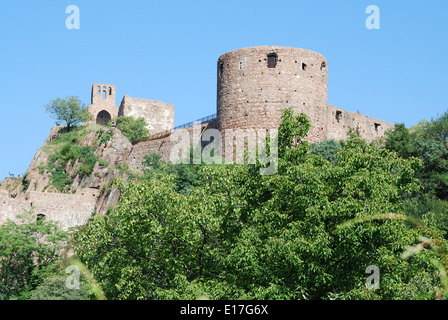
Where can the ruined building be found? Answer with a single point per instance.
(254, 85)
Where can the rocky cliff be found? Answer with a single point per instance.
(70, 177)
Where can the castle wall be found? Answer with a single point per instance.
(166, 147)
(158, 115)
(68, 210)
(339, 121)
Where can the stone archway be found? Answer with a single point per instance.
(103, 118)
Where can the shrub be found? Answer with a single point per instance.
(133, 129)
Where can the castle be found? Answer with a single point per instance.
(254, 85)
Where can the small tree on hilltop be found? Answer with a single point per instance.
(71, 110)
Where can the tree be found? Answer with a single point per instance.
(242, 235)
(55, 288)
(400, 140)
(71, 110)
(326, 149)
(28, 252)
(133, 129)
(426, 141)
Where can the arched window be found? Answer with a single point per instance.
(104, 94)
(40, 217)
(103, 118)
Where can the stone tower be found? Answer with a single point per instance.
(103, 106)
(103, 94)
(255, 84)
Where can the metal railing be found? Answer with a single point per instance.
(166, 133)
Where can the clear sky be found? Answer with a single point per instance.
(167, 51)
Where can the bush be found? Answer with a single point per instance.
(54, 288)
(326, 149)
(60, 179)
(29, 250)
(133, 129)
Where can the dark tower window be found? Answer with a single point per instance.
(323, 67)
(338, 115)
(272, 60)
(103, 118)
(220, 68)
(377, 127)
(304, 66)
(110, 91)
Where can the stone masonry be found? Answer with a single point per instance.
(158, 115)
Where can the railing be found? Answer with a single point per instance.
(166, 133)
(199, 121)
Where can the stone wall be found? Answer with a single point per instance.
(67, 210)
(339, 121)
(167, 146)
(158, 115)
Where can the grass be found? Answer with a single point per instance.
(65, 148)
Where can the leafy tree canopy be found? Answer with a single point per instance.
(133, 129)
(242, 235)
(71, 111)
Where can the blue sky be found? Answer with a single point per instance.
(167, 51)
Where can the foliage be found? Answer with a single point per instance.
(399, 140)
(133, 129)
(25, 183)
(240, 235)
(71, 110)
(326, 149)
(54, 288)
(105, 137)
(186, 176)
(66, 149)
(427, 141)
(60, 179)
(28, 251)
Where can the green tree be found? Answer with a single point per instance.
(326, 149)
(55, 288)
(71, 111)
(400, 140)
(242, 235)
(29, 251)
(427, 141)
(186, 176)
(133, 129)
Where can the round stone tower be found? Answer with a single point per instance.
(255, 84)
